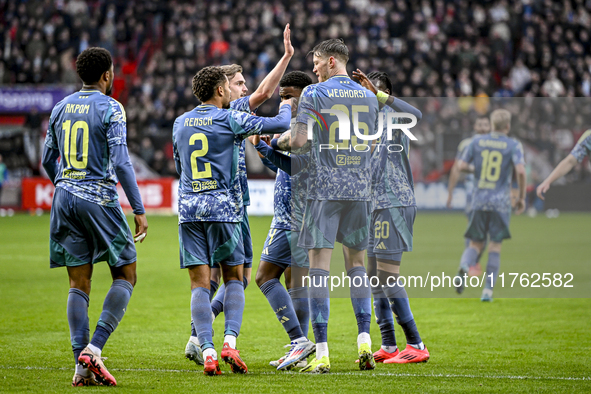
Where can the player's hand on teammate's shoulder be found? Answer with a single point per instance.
(254, 139)
(364, 81)
(289, 51)
(141, 228)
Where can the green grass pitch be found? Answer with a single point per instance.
(510, 345)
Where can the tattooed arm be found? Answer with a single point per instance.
(284, 142)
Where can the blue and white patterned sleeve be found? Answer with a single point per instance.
(117, 127)
(245, 124)
(306, 105)
(50, 153)
(518, 156)
(583, 147)
(175, 150)
(50, 140)
(242, 104)
(468, 153)
(277, 159)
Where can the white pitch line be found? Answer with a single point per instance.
(409, 375)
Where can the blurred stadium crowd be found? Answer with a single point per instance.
(441, 48)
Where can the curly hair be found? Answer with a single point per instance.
(296, 79)
(206, 81)
(92, 63)
(382, 77)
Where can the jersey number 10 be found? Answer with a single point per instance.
(70, 140)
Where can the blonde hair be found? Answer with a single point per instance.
(231, 70)
(500, 119)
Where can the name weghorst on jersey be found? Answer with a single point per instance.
(339, 168)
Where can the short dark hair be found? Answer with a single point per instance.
(296, 79)
(92, 63)
(382, 77)
(334, 47)
(206, 81)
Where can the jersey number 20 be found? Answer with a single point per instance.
(206, 173)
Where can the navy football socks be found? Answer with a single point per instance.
(217, 305)
(233, 306)
(492, 267)
(469, 258)
(360, 298)
(201, 315)
(319, 303)
(113, 310)
(401, 309)
(78, 321)
(384, 316)
(301, 305)
(282, 306)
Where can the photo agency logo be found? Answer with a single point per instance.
(361, 130)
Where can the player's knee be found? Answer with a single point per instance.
(262, 276)
(82, 284)
(477, 245)
(494, 247)
(387, 278)
(129, 274)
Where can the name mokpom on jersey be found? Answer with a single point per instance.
(86, 170)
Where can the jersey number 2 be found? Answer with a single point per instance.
(206, 173)
(70, 139)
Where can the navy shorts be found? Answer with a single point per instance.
(491, 223)
(391, 232)
(83, 232)
(325, 222)
(281, 249)
(210, 243)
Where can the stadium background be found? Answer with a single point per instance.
(452, 51)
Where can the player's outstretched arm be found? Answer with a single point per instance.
(454, 176)
(520, 205)
(561, 170)
(269, 84)
(246, 124)
(278, 159)
(384, 98)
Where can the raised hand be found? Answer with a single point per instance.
(289, 51)
(364, 81)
